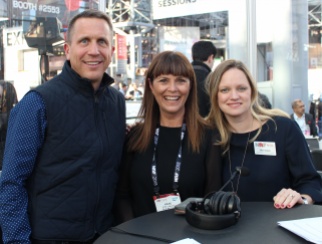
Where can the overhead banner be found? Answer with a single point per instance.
(174, 8)
(64, 10)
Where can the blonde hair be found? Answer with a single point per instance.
(217, 118)
(175, 63)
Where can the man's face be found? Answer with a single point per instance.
(90, 49)
(299, 108)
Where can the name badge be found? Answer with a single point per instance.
(265, 148)
(166, 201)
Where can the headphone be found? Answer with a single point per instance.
(218, 210)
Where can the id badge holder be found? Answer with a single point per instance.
(166, 201)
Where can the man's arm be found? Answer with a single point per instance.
(26, 130)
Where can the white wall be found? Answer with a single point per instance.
(20, 61)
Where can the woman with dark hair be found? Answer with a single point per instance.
(8, 99)
(170, 151)
(266, 141)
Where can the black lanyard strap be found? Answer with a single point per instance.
(177, 166)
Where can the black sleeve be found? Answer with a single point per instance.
(305, 178)
(313, 110)
(213, 164)
(123, 210)
(313, 128)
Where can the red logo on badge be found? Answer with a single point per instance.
(260, 144)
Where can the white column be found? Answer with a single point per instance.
(102, 5)
(251, 36)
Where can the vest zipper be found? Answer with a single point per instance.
(97, 122)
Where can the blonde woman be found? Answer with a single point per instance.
(267, 142)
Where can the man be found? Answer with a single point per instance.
(123, 88)
(203, 55)
(304, 120)
(64, 145)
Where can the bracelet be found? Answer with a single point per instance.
(305, 201)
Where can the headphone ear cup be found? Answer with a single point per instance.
(229, 203)
(224, 203)
(209, 203)
(216, 202)
(233, 203)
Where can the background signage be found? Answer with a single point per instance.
(64, 10)
(173, 8)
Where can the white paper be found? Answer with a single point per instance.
(309, 229)
(186, 241)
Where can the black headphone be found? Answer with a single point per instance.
(216, 211)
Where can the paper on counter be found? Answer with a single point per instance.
(309, 229)
(186, 241)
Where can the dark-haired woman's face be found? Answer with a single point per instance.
(171, 93)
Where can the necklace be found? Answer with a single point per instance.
(241, 165)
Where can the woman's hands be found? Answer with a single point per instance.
(287, 198)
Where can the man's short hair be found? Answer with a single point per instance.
(89, 13)
(295, 102)
(201, 50)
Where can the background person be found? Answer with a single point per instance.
(64, 145)
(123, 90)
(203, 55)
(170, 151)
(8, 99)
(265, 141)
(304, 120)
(264, 101)
(134, 93)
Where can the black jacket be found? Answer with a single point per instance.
(71, 190)
(202, 71)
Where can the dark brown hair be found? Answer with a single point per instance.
(174, 63)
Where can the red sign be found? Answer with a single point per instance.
(72, 5)
(121, 47)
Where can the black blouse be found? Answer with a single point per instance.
(199, 173)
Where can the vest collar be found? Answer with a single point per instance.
(84, 84)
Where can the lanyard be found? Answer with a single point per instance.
(177, 167)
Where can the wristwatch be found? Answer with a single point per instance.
(305, 201)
